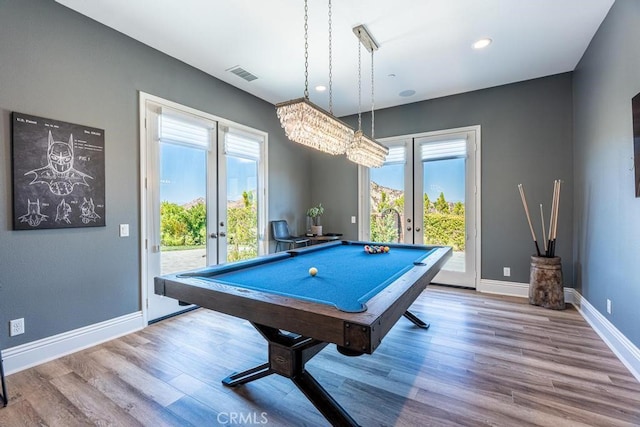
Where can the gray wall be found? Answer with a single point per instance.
(58, 64)
(526, 138)
(607, 227)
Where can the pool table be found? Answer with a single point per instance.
(353, 301)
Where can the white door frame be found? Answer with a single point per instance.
(145, 196)
(364, 178)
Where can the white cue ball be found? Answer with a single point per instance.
(313, 271)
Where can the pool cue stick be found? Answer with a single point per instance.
(526, 211)
(551, 218)
(555, 221)
(544, 234)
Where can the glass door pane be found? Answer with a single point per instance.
(183, 207)
(390, 196)
(240, 209)
(445, 200)
(443, 208)
(387, 203)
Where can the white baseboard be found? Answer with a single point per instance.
(34, 353)
(501, 287)
(624, 349)
(514, 289)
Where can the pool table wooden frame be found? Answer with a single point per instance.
(297, 329)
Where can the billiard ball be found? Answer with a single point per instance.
(313, 271)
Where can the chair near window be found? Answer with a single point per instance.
(282, 236)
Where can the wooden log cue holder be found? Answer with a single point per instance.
(545, 282)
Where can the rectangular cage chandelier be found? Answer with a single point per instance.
(363, 150)
(307, 124)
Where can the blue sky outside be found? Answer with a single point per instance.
(183, 174)
(446, 176)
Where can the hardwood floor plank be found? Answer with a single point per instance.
(92, 403)
(45, 401)
(153, 387)
(126, 396)
(194, 412)
(21, 414)
(578, 412)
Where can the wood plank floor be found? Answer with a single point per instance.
(486, 360)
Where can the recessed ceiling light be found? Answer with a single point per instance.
(321, 88)
(408, 92)
(482, 43)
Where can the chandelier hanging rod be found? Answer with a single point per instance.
(306, 123)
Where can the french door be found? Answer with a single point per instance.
(427, 192)
(204, 195)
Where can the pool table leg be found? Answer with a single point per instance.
(415, 320)
(288, 353)
(243, 377)
(327, 405)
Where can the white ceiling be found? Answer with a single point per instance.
(425, 45)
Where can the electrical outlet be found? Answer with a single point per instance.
(16, 327)
(506, 271)
(608, 306)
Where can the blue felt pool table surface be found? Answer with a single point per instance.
(347, 275)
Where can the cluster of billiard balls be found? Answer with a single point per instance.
(376, 249)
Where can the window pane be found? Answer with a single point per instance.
(444, 203)
(183, 211)
(242, 208)
(387, 203)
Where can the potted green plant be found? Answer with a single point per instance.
(315, 213)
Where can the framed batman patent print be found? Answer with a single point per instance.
(58, 174)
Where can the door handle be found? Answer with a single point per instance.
(409, 228)
(223, 234)
(213, 235)
(417, 228)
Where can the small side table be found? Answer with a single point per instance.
(329, 237)
(3, 396)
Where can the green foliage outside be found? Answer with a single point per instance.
(182, 227)
(242, 229)
(384, 219)
(186, 228)
(443, 221)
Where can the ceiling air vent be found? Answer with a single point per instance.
(242, 73)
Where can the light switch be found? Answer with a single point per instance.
(124, 230)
